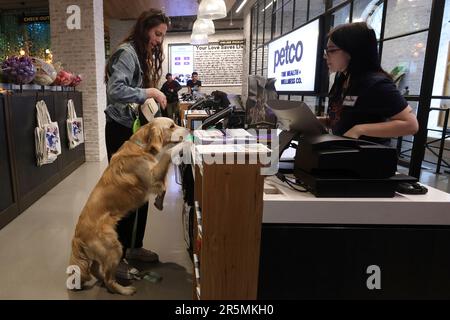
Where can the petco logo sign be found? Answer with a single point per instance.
(292, 59)
(288, 55)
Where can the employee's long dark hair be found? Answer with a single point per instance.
(360, 42)
(150, 59)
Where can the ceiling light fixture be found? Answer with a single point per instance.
(212, 9)
(203, 26)
(199, 38)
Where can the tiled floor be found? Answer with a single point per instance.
(35, 247)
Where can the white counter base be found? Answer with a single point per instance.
(287, 206)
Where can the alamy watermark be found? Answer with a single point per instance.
(259, 147)
(73, 281)
(73, 21)
(374, 280)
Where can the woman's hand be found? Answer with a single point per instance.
(158, 96)
(354, 132)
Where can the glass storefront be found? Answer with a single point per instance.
(402, 28)
(28, 32)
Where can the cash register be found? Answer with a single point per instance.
(334, 166)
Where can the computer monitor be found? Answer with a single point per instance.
(216, 117)
(296, 116)
(198, 105)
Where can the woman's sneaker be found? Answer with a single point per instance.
(125, 271)
(141, 254)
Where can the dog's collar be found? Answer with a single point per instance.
(143, 145)
(138, 143)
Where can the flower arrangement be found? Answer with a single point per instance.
(19, 70)
(24, 70)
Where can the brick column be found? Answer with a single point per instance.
(83, 52)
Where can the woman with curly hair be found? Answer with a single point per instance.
(132, 75)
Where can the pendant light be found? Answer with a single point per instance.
(203, 26)
(212, 9)
(199, 38)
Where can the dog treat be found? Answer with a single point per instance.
(159, 201)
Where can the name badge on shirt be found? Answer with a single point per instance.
(349, 101)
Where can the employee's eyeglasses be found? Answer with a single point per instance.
(326, 52)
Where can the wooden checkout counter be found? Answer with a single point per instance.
(255, 238)
(322, 248)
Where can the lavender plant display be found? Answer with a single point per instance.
(18, 70)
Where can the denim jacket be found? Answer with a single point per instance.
(124, 85)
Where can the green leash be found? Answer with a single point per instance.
(136, 127)
(147, 275)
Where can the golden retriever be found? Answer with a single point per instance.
(136, 170)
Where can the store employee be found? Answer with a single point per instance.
(363, 102)
(194, 84)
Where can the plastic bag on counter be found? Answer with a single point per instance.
(260, 90)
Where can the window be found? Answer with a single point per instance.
(316, 8)
(405, 50)
(16, 34)
(300, 14)
(370, 11)
(254, 31)
(408, 53)
(337, 2)
(341, 16)
(442, 76)
(407, 16)
(268, 23)
(259, 59)
(277, 17)
(253, 63)
(260, 40)
(288, 14)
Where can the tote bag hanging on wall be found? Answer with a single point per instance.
(46, 134)
(75, 132)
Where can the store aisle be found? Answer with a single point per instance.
(35, 247)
